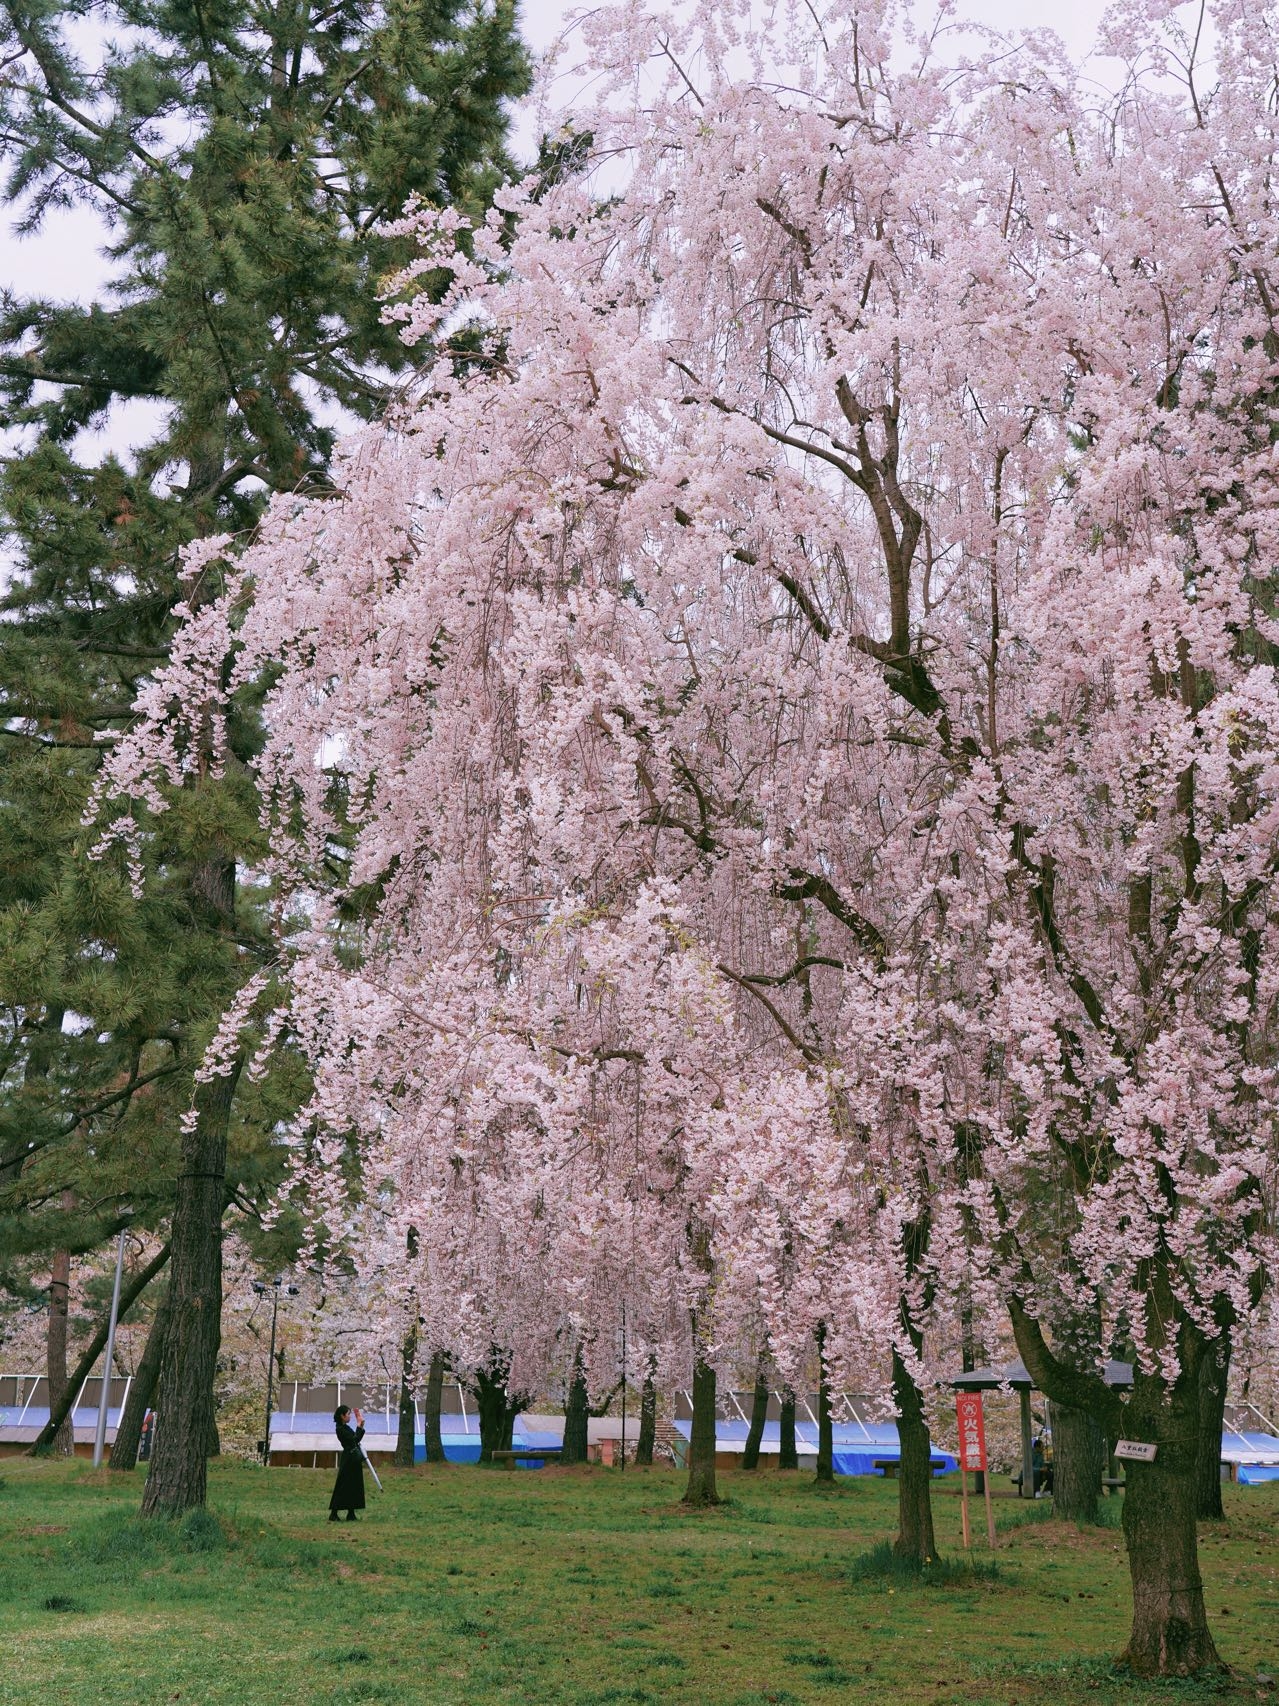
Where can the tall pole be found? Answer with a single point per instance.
(623, 1383)
(270, 1376)
(101, 1434)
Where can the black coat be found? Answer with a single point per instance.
(348, 1493)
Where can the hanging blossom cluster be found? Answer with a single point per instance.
(776, 742)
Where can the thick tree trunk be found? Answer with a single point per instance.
(1214, 1376)
(787, 1451)
(128, 1435)
(915, 1539)
(498, 1409)
(1169, 1625)
(1079, 1462)
(434, 1403)
(759, 1415)
(93, 1350)
(576, 1414)
(407, 1426)
(648, 1419)
(186, 1433)
(63, 1441)
(701, 1491)
(187, 1428)
(825, 1429)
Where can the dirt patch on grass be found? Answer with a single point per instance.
(1053, 1536)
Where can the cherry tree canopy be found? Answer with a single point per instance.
(791, 692)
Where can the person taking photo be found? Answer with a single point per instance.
(348, 1490)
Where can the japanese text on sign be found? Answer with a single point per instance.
(972, 1431)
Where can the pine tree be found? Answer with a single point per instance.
(242, 159)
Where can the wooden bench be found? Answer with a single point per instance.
(890, 1467)
(540, 1453)
(1113, 1483)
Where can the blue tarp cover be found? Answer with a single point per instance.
(465, 1448)
(857, 1445)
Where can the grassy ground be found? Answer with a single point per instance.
(469, 1587)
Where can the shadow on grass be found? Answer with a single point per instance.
(881, 1564)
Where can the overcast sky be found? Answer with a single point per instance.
(65, 260)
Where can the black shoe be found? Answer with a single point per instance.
(351, 1516)
(333, 1516)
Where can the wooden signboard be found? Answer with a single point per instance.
(1135, 1450)
(972, 1455)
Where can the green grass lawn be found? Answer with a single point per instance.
(470, 1587)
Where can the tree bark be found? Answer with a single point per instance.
(407, 1426)
(178, 1471)
(434, 1403)
(128, 1435)
(576, 1414)
(93, 1350)
(648, 1419)
(1214, 1376)
(1079, 1462)
(787, 1452)
(825, 1430)
(915, 1540)
(63, 1442)
(759, 1415)
(498, 1409)
(701, 1491)
(1170, 1634)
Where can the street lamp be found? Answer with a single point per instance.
(104, 1396)
(289, 1291)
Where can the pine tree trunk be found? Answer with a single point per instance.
(915, 1540)
(648, 1419)
(759, 1415)
(407, 1426)
(1079, 1462)
(434, 1403)
(787, 1451)
(1214, 1376)
(128, 1435)
(1170, 1634)
(576, 1414)
(63, 1442)
(187, 1425)
(825, 1429)
(701, 1491)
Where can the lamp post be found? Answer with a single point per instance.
(99, 1437)
(290, 1291)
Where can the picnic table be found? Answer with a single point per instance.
(539, 1453)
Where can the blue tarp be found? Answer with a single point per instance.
(35, 1416)
(465, 1448)
(857, 1445)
